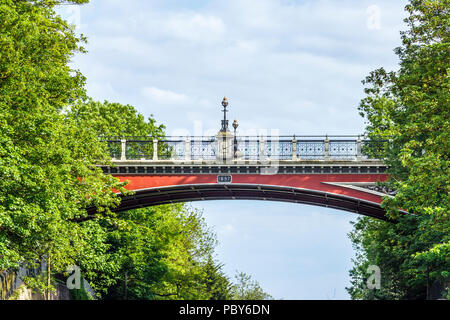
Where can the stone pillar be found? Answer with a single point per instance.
(155, 150)
(225, 148)
(187, 149)
(294, 149)
(358, 148)
(123, 155)
(327, 148)
(262, 147)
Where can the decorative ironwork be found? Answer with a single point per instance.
(280, 150)
(205, 149)
(248, 149)
(310, 149)
(342, 149)
(171, 149)
(139, 149)
(235, 148)
(115, 148)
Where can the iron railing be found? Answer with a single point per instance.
(281, 148)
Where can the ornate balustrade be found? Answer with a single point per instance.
(282, 148)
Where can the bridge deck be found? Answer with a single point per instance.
(245, 167)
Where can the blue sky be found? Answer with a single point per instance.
(287, 67)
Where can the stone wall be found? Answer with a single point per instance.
(24, 293)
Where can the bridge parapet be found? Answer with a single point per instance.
(245, 149)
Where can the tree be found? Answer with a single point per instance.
(409, 108)
(393, 248)
(246, 288)
(111, 119)
(218, 286)
(48, 173)
(162, 252)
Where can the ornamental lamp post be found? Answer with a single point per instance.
(224, 130)
(225, 102)
(235, 126)
(224, 121)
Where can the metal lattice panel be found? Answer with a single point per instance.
(281, 150)
(249, 149)
(139, 150)
(310, 149)
(115, 149)
(205, 150)
(174, 150)
(342, 149)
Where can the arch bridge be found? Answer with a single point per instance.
(335, 171)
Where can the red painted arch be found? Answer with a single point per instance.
(310, 189)
(313, 182)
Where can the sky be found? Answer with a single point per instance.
(287, 67)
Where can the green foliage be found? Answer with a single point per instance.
(47, 163)
(218, 286)
(80, 294)
(39, 284)
(410, 108)
(115, 120)
(246, 288)
(396, 248)
(164, 253)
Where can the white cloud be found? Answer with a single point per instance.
(266, 56)
(194, 27)
(164, 96)
(102, 91)
(227, 229)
